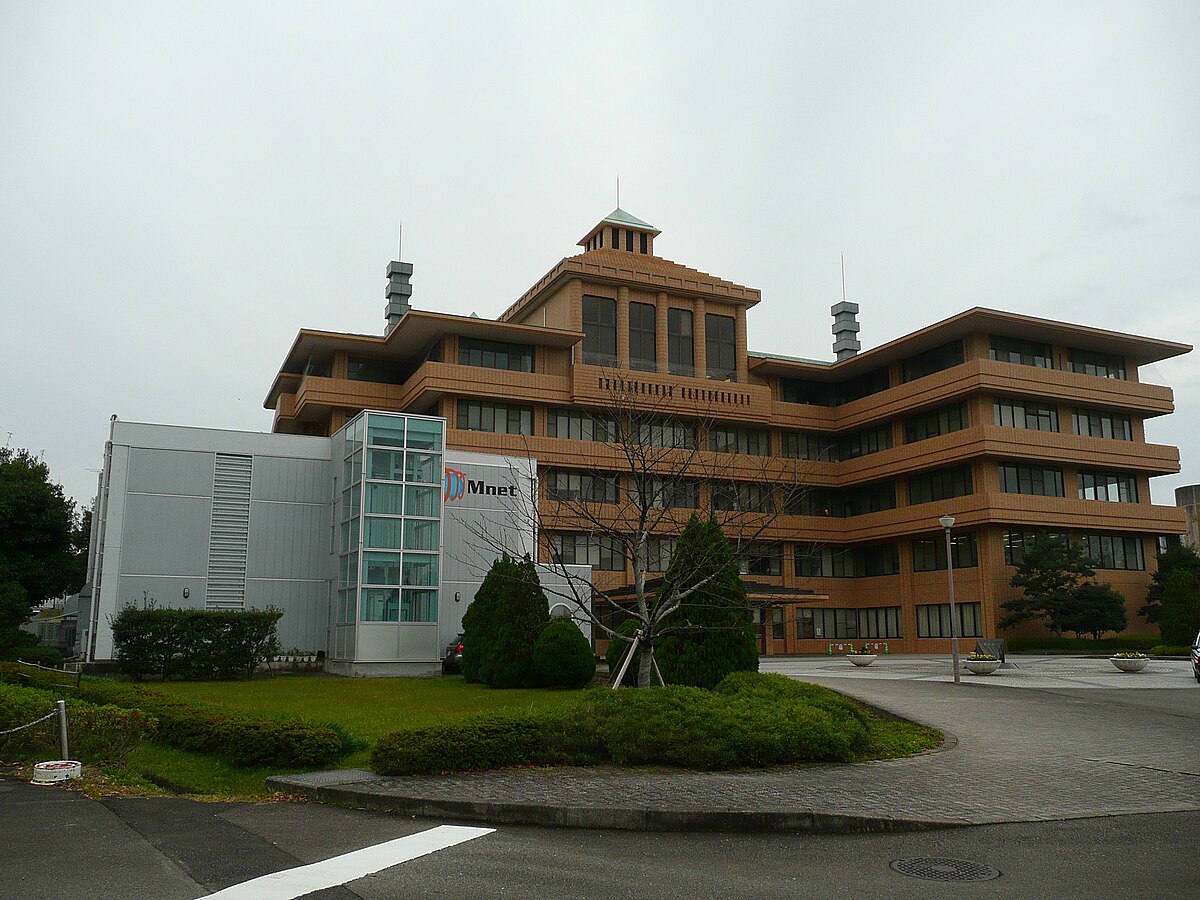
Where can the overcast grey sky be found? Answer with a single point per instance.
(184, 185)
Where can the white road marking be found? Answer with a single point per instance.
(340, 869)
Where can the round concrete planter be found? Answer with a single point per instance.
(981, 666)
(861, 659)
(1129, 665)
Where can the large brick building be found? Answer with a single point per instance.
(1011, 424)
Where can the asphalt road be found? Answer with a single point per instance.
(56, 844)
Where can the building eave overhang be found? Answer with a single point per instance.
(1142, 350)
(408, 342)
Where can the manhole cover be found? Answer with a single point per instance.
(941, 868)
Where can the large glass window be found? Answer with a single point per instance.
(929, 554)
(834, 561)
(943, 420)
(1024, 414)
(381, 568)
(681, 359)
(935, 360)
(386, 465)
(719, 350)
(588, 487)
(502, 418)
(668, 434)
(867, 441)
(836, 624)
(1016, 542)
(933, 620)
(760, 558)
(856, 501)
(580, 426)
(385, 431)
(603, 552)
(658, 552)
(599, 331)
(1041, 481)
(742, 496)
(1111, 486)
(795, 390)
(421, 501)
(423, 434)
(385, 498)
(643, 354)
(806, 445)
(1114, 551)
(382, 534)
(380, 371)
(495, 354)
(1103, 365)
(664, 492)
(420, 569)
(1102, 424)
(940, 485)
(734, 439)
(421, 534)
(1021, 352)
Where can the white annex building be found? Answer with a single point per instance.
(369, 541)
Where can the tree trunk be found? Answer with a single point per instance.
(646, 664)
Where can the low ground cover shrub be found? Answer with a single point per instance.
(96, 733)
(240, 739)
(750, 720)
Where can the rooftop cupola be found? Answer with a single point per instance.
(845, 330)
(621, 231)
(398, 293)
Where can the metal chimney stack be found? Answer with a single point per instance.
(397, 293)
(845, 329)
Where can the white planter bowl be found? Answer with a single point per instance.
(1129, 665)
(861, 659)
(981, 666)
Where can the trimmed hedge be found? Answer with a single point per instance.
(750, 720)
(239, 739)
(95, 733)
(1169, 650)
(194, 643)
(562, 656)
(1051, 644)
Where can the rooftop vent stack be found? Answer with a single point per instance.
(398, 292)
(845, 330)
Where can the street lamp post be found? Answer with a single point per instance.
(947, 522)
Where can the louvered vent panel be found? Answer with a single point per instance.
(229, 532)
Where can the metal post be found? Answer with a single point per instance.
(953, 609)
(62, 729)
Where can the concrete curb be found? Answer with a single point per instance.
(364, 795)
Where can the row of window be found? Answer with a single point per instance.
(882, 622)
(1047, 481)
(1036, 353)
(1043, 417)
(600, 339)
(1104, 551)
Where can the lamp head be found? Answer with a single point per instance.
(946, 522)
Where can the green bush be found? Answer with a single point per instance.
(745, 723)
(1179, 608)
(239, 739)
(95, 733)
(1169, 650)
(617, 648)
(503, 621)
(37, 654)
(194, 643)
(562, 656)
(1051, 644)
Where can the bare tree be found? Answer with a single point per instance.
(648, 471)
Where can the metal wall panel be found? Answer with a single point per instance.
(288, 540)
(164, 535)
(291, 480)
(170, 472)
(305, 622)
(229, 531)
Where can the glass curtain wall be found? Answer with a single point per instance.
(390, 522)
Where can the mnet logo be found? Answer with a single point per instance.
(456, 484)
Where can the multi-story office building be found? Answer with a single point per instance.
(1013, 425)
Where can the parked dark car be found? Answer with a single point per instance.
(452, 658)
(1196, 657)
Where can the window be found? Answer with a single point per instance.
(933, 620)
(1103, 365)
(760, 558)
(942, 420)
(741, 496)
(1110, 486)
(1101, 424)
(501, 418)
(940, 485)
(495, 355)
(380, 371)
(1022, 414)
(929, 554)
(1015, 543)
(666, 493)
(667, 434)
(731, 439)
(642, 349)
(628, 240)
(833, 624)
(588, 487)
(599, 331)
(680, 356)
(658, 552)
(832, 561)
(863, 386)
(867, 498)
(862, 443)
(603, 552)
(1041, 481)
(1114, 551)
(793, 390)
(645, 242)
(805, 445)
(1025, 353)
(577, 426)
(719, 350)
(935, 360)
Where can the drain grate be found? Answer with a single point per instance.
(942, 868)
